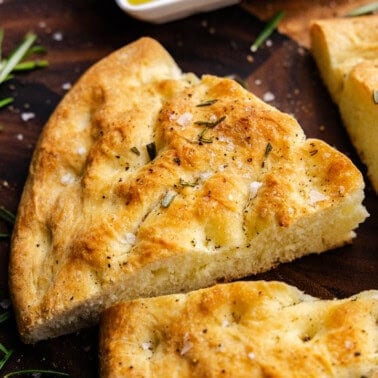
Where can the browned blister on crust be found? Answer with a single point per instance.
(243, 329)
(147, 181)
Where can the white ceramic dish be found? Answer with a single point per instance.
(159, 11)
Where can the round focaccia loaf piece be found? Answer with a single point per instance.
(147, 181)
(241, 329)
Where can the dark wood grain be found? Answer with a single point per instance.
(218, 43)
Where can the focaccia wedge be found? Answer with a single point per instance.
(242, 329)
(147, 181)
(346, 52)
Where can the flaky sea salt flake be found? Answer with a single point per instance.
(187, 344)
(130, 238)
(315, 197)
(67, 179)
(254, 187)
(58, 36)
(26, 116)
(66, 86)
(268, 96)
(184, 119)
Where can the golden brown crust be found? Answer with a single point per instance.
(339, 44)
(243, 329)
(95, 224)
(346, 51)
(359, 112)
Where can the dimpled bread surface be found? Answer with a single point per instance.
(242, 329)
(147, 181)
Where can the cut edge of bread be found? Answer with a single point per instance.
(269, 249)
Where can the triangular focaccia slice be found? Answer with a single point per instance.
(147, 182)
(243, 329)
(346, 51)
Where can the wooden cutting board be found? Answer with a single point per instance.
(77, 33)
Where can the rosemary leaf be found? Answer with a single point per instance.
(187, 183)
(6, 101)
(4, 316)
(267, 31)
(3, 236)
(7, 216)
(268, 149)
(135, 150)
(3, 349)
(201, 137)
(151, 149)
(210, 124)
(30, 65)
(17, 55)
(36, 371)
(7, 354)
(206, 103)
(36, 50)
(364, 9)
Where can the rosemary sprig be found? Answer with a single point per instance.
(267, 31)
(15, 63)
(36, 371)
(3, 236)
(17, 55)
(7, 216)
(7, 354)
(364, 9)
